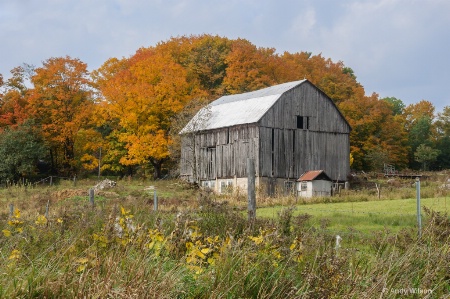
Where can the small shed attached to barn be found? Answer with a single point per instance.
(314, 183)
(286, 129)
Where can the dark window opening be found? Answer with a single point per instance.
(299, 122)
(304, 186)
(228, 136)
(210, 166)
(303, 122)
(273, 152)
(293, 152)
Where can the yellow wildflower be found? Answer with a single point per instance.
(41, 220)
(15, 254)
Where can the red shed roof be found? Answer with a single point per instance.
(314, 175)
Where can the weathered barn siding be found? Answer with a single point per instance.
(287, 151)
(307, 101)
(301, 130)
(220, 153)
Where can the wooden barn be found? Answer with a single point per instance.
(288, 129)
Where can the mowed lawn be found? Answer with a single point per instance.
(363, 217)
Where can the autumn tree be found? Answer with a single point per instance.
(60, 102)
(397, 105)
(250, 68)
(414, 112)
(106, 80)
(141, 98)
(377, 136)
(13, 100)
(203, 57)
(211, 66)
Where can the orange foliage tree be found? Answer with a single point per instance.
(203, 57)
(141, 97)
(250, 68)
(414, 112)
(13, 100)
(130, 111)
(377, 136)
(61, 103)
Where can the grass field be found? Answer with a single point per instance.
(364, 217)
(199, 245)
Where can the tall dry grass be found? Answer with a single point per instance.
(77, 252)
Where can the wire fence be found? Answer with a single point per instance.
(353, 220)
(356, 212)
(50, 180)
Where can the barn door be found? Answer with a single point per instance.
(211, 163)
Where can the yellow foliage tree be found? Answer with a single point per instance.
(61, 103)
(142, 94)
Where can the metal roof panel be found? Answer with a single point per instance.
(312, 175)
(231, 110)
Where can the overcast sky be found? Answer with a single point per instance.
(397, 48)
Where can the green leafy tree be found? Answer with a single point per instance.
(376, 158)
(443, 160)
(425, 155)
(420, 133)
(20, 150)
(443, 138)
(443, 122)
(396, 105)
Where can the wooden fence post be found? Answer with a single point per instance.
(378, 190)
(11, 209)
(251, 189)
(155, 201)
(91, 197)
(47, 208)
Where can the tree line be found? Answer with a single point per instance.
(124, 117)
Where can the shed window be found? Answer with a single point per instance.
(304, 186)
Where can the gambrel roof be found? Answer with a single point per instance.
(238, 109)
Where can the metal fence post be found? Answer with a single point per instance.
(419, 218)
